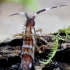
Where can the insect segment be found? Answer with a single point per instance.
(28, 47)
(29, 42)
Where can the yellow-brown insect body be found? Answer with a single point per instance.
(28, 49)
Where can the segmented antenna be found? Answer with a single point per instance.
(21, 13)
(47, 9)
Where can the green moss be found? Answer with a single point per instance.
(66, 31)
(52, 53)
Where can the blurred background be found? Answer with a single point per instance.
(49, 21)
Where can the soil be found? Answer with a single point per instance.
(10, 55)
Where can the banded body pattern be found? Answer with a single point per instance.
(28, 48)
